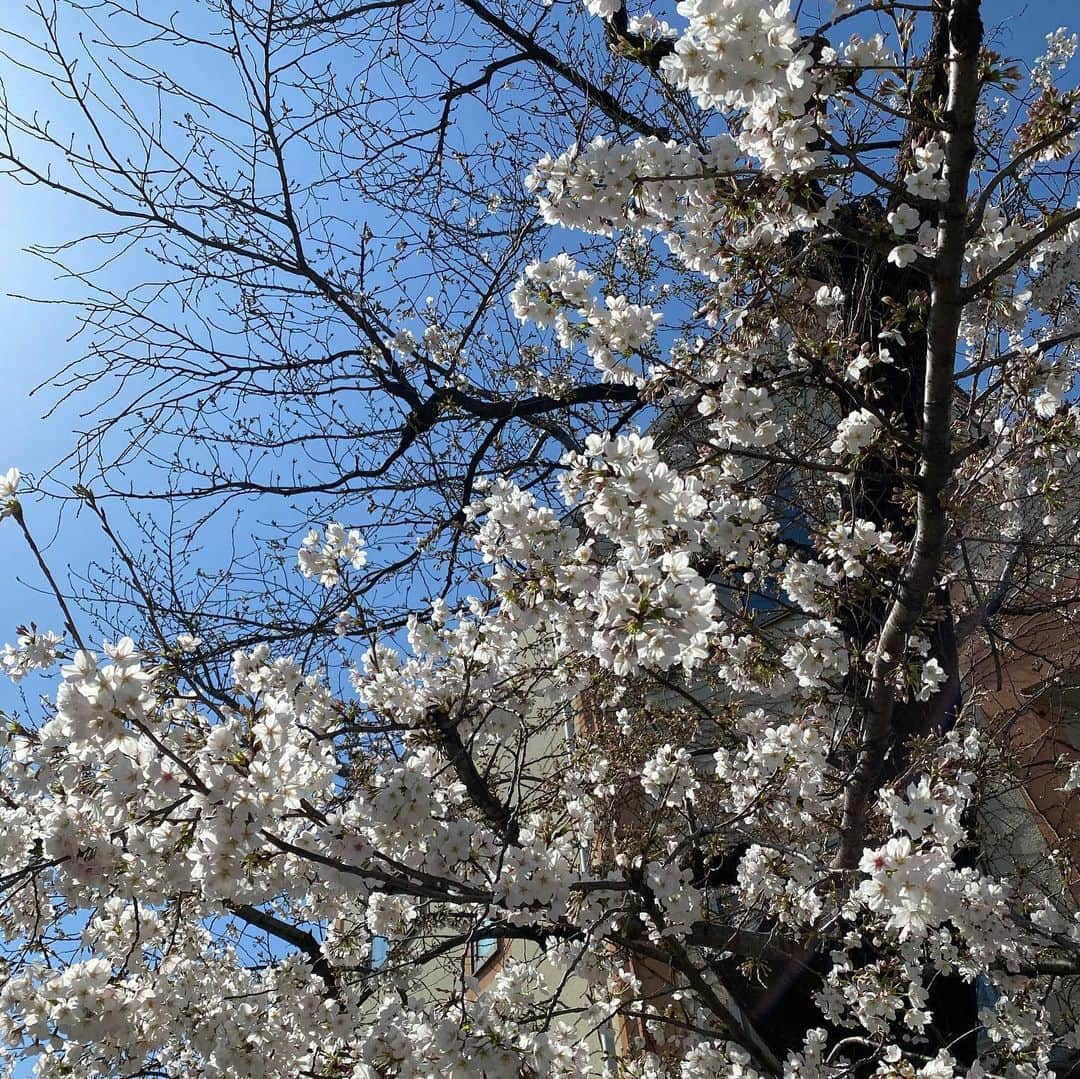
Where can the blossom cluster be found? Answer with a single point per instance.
(612, 331)
(322, 556)
(33, 651)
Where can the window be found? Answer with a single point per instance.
(481, 949)
(379, 949)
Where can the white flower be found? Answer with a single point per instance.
(803, 582)
(1046, 404)
(932, 679)
(317, 558)
(403, 343)
(904, 218)
(926, 184)
(9, 483)
(604, 9)
(817, 655)
(668, 775)
(855, 432)
(903, 255)
(850, 542)
(33, 651)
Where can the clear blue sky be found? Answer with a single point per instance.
(35, 339)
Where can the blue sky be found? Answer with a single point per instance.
(36, 343)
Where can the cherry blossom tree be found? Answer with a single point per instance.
(709, 730)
